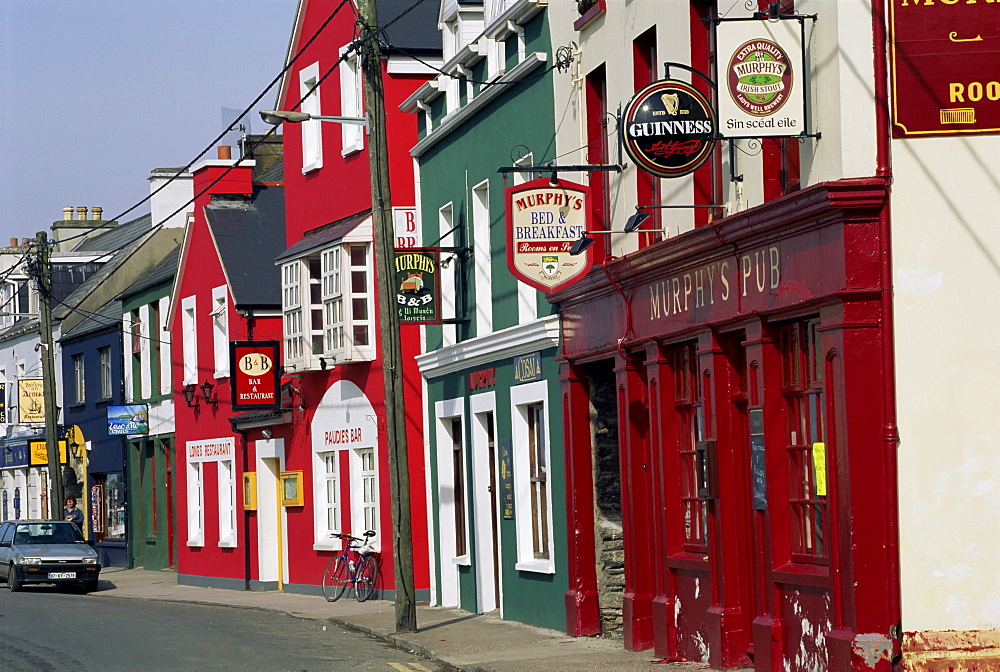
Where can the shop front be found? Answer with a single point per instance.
(740, 366)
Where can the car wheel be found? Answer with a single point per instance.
(14, 579)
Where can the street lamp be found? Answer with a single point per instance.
(275, 117)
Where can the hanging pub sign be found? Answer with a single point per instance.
(669, 128)
(418, 286)
(256, 382)
(3, 402)
(761, 90)
(544, 218)
(943, 58)
(30, 400)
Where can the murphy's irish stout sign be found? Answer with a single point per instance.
(761, 94)
(945, 72)
(543, 222)
(668, 128)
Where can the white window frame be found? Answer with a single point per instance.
(189, 330)
(195, 503)
(449, 305)
(328, 522)
(79, 379)
(227, 504)
(104, 365)
(339, 324)
(351, 102)
(527, 296)
(166, 370)
(292, 312)
(481, 250)
(312, 131)
(522, 396)
(364, 483)
(220, 330)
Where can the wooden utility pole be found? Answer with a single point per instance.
(43, 282)
(392, 365)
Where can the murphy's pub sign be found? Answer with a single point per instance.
(544, 219)
(669, 128)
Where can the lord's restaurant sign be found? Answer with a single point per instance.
(544, 219)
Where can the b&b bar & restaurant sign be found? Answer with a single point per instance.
(256, 376)
(543, 222)
(945, 77)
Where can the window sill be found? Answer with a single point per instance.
(463, 560)
(198, 542)
(800, 574)
(536, 566)
(325, 546)
(228, 542)
(591, 15)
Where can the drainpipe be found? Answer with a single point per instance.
(890, 430)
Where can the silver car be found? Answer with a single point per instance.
(46, 551)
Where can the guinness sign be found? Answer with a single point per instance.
(669, 128)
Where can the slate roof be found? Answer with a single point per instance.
(317, 238)
(107, 316)
(416, 32)
(162, 272)
(275, 173)
(248, 237)
(116, 237)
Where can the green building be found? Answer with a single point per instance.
(493, 439)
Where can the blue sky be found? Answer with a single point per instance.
(97, 93)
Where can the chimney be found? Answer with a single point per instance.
(97, 213)
(13, 242)
(81, 212)
(225, 152)
(67, 213)
(25, 241)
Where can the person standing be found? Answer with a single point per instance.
(73, 514)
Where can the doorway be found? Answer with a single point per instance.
(485, 491)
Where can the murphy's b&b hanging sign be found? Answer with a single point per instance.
(544, 218)
(668, 128)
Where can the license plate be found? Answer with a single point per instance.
(62, 575)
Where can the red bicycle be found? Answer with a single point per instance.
(359, 569)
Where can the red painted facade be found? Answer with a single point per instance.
(773, 314)
(200, 271)
(339, 189)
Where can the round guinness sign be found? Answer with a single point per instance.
(669, 128)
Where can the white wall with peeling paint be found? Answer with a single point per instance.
(946, 253)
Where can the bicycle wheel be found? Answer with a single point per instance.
(335, 578)
(367, 573)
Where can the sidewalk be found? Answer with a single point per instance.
(468, 642)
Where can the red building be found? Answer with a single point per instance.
(225, 290)
(332, 432)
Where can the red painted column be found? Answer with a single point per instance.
(659, 382)
(583, 614)
(764, 388)
(729, 574)
(633, 426)
(863, 505)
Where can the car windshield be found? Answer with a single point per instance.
(48, 533)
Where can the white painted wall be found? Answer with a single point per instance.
(946, 247)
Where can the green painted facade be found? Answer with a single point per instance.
(503, 131)
(149, 467)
